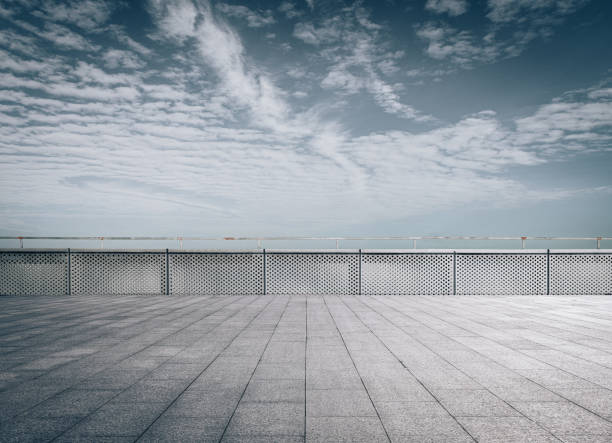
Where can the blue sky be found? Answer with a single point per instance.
(318, 117)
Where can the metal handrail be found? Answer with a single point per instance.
(260, 240)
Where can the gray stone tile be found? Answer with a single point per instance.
(71, 403)
(404, 410)
(598, 401)
(339, 403)
(565, 418)
(505, 429)
(278, 371)
(124, 360)
(128, 419)
(262, 439)
(185, 429)
(345, 429)
(176, 371)
(275, 391)
(112, 379)
(333, 379)
(402, 425)
(198, 403)
(267, 419)
(32, 429)
(151, 391)
(463, 402)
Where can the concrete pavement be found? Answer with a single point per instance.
(296, 368)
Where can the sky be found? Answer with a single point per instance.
(306, 117)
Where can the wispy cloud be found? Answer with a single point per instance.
(226, 141)
(357, 59)
(451, 7)
(514, 24)
(254, 19)
(86, 14)
(289, 9)
(540, 11)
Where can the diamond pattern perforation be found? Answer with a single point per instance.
(118, 273)
(407, 274)
(501, 274)
(33, 273)
(581, 274)
(227, 274)
(312, 274)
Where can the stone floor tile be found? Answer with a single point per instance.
(476, 403)
(345, 429)
(123, 419)
(505, 429)
(185, 429)
(267, 419)
(198, 403)
(339, 403)
(565, 418)
(274, 391)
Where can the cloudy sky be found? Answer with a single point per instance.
(305, 117)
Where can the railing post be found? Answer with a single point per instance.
(598, 242)
(337, 244)
(20, 242)
(414, 243)
(454, 272)
(264, 272)
(167, 273)
(69, 274)
(548, 272)
(523, 242)
(101, 242)
(359, 271)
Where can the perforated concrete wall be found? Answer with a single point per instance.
(412, 273)
(33, 273)
(312, 273)
(506, 274)
(117, 273)
(216, 273)
(368, 272)
(580, 273)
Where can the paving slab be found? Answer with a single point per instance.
(306, 368)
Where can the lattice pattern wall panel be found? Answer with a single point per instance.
(312, 273)
(581, 274)
(118, 273)
(229, 274)
(407, 274)
(33, 273)
(501, 274)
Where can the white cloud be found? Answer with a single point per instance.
(177, 18)
(254, 19)
(515, 24)
(358, 59)
(87, 14)
(451, 7)
(61, 36)
(213, 135)
(289, 9)
(504, 11)
(116, 58)
(124, 38)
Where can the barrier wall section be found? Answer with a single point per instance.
(406, 273)
(341, 272)
(216, 273)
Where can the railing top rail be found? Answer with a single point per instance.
(427, 237)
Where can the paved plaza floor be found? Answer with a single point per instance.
(295, 368)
